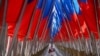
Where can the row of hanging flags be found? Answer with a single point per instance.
(55, 19)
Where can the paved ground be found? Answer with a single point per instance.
(56, 52)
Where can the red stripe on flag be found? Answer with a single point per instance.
(34, 24)
(42, 25)
(26, 19)
(13, 10)
(74, 25)
(11, 28)
(88, 11)
(57, 37)
(83, 26)
(64, 32)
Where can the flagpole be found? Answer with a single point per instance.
(8, 44)
(5, 40)
(83, 40)
(78, 22)
(39, 21)
(47, 37)
(62, 40)
(29, 28)
(37, 45)
(97, 16)
(89, 32)
(37, 27)
(15, 48)
(66, 26)
(97, 6)
(61, 37)
(70, 37)
(78, 25)
(45, 28)
(87, 29)
(47, 21)
(43, 35)
(68, 31)
(93, 43)
(3, 27)
(97, 21)
(14, 38)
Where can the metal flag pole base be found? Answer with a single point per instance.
(8, 44)
(51, 42)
